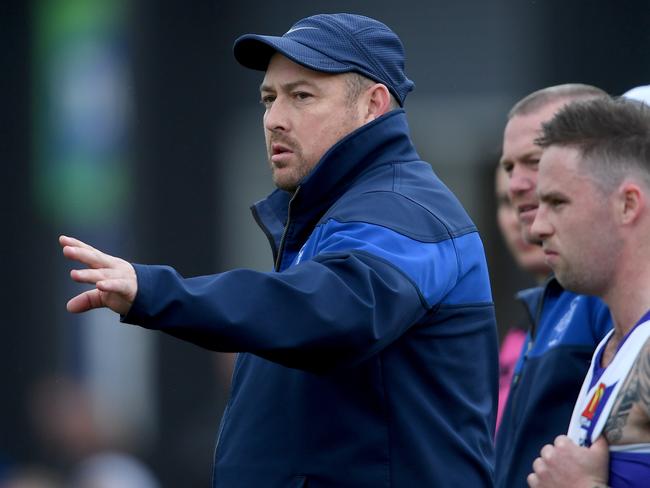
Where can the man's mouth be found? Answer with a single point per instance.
(277, 148)
(550, 256)
(527, 211)
(280, 152)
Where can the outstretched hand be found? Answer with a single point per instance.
(116, 283)
(565, 464)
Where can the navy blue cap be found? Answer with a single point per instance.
(334, 43)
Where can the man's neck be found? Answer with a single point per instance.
(628, 301)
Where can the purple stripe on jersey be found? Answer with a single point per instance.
(629, 469)
(598, 369)
(598, 360)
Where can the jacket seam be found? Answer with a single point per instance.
(389, 475)
(396, 176)
(459, 232)
(463, 231)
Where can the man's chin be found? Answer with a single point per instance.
(286, 184)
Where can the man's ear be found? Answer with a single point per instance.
(378, 98)
(631, 201)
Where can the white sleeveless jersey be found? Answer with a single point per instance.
(629, 463)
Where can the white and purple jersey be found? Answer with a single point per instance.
(629, 463)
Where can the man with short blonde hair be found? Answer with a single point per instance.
(565, 327)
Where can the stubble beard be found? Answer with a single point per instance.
(302, 167)
(294, 172)
(582, 277)
(591, 272)
(573, 281)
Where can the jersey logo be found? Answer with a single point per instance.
(590, 410)
(593, 412)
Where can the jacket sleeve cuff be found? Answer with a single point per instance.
(137, 313)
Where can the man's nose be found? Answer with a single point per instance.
(541, 229)
(521, 180)
(275, 117)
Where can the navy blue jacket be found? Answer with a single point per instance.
(566, 328)
(369, 356)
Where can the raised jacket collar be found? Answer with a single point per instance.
(533, 299)
(383, 141)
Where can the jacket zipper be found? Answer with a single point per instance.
(278, 259)
(533, 332)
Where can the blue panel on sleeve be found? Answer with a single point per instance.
(435, 268)
(474, 283)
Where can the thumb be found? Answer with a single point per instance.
(600, 447)
(599, 451)
(600, 444)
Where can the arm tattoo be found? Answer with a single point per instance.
(627, 396)
(635, 389)
(644, 378)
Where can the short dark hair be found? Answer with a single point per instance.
(612, 134)
(541, 98)
(357, 83)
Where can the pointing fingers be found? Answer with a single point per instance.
(115, 279)
(89, 256)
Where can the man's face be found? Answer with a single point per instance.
(520, 158)
(529, 257)
(576, 223)
(307, 112)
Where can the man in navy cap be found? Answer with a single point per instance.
(368, 355)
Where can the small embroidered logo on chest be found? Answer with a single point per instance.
(563, 324)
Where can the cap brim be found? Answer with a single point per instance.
(255, 51)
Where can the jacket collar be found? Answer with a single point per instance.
(533, 299)
(382, 141)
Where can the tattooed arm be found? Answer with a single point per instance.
(629, 420)
(627, 397)
(644, 380)
(566, 464)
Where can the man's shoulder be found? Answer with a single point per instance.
(570, 319)
(420, 208)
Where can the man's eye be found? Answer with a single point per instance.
(532, 163)
(267, 100)
(302, 95)
(556, 202)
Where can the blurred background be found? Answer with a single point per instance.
(129, 124)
